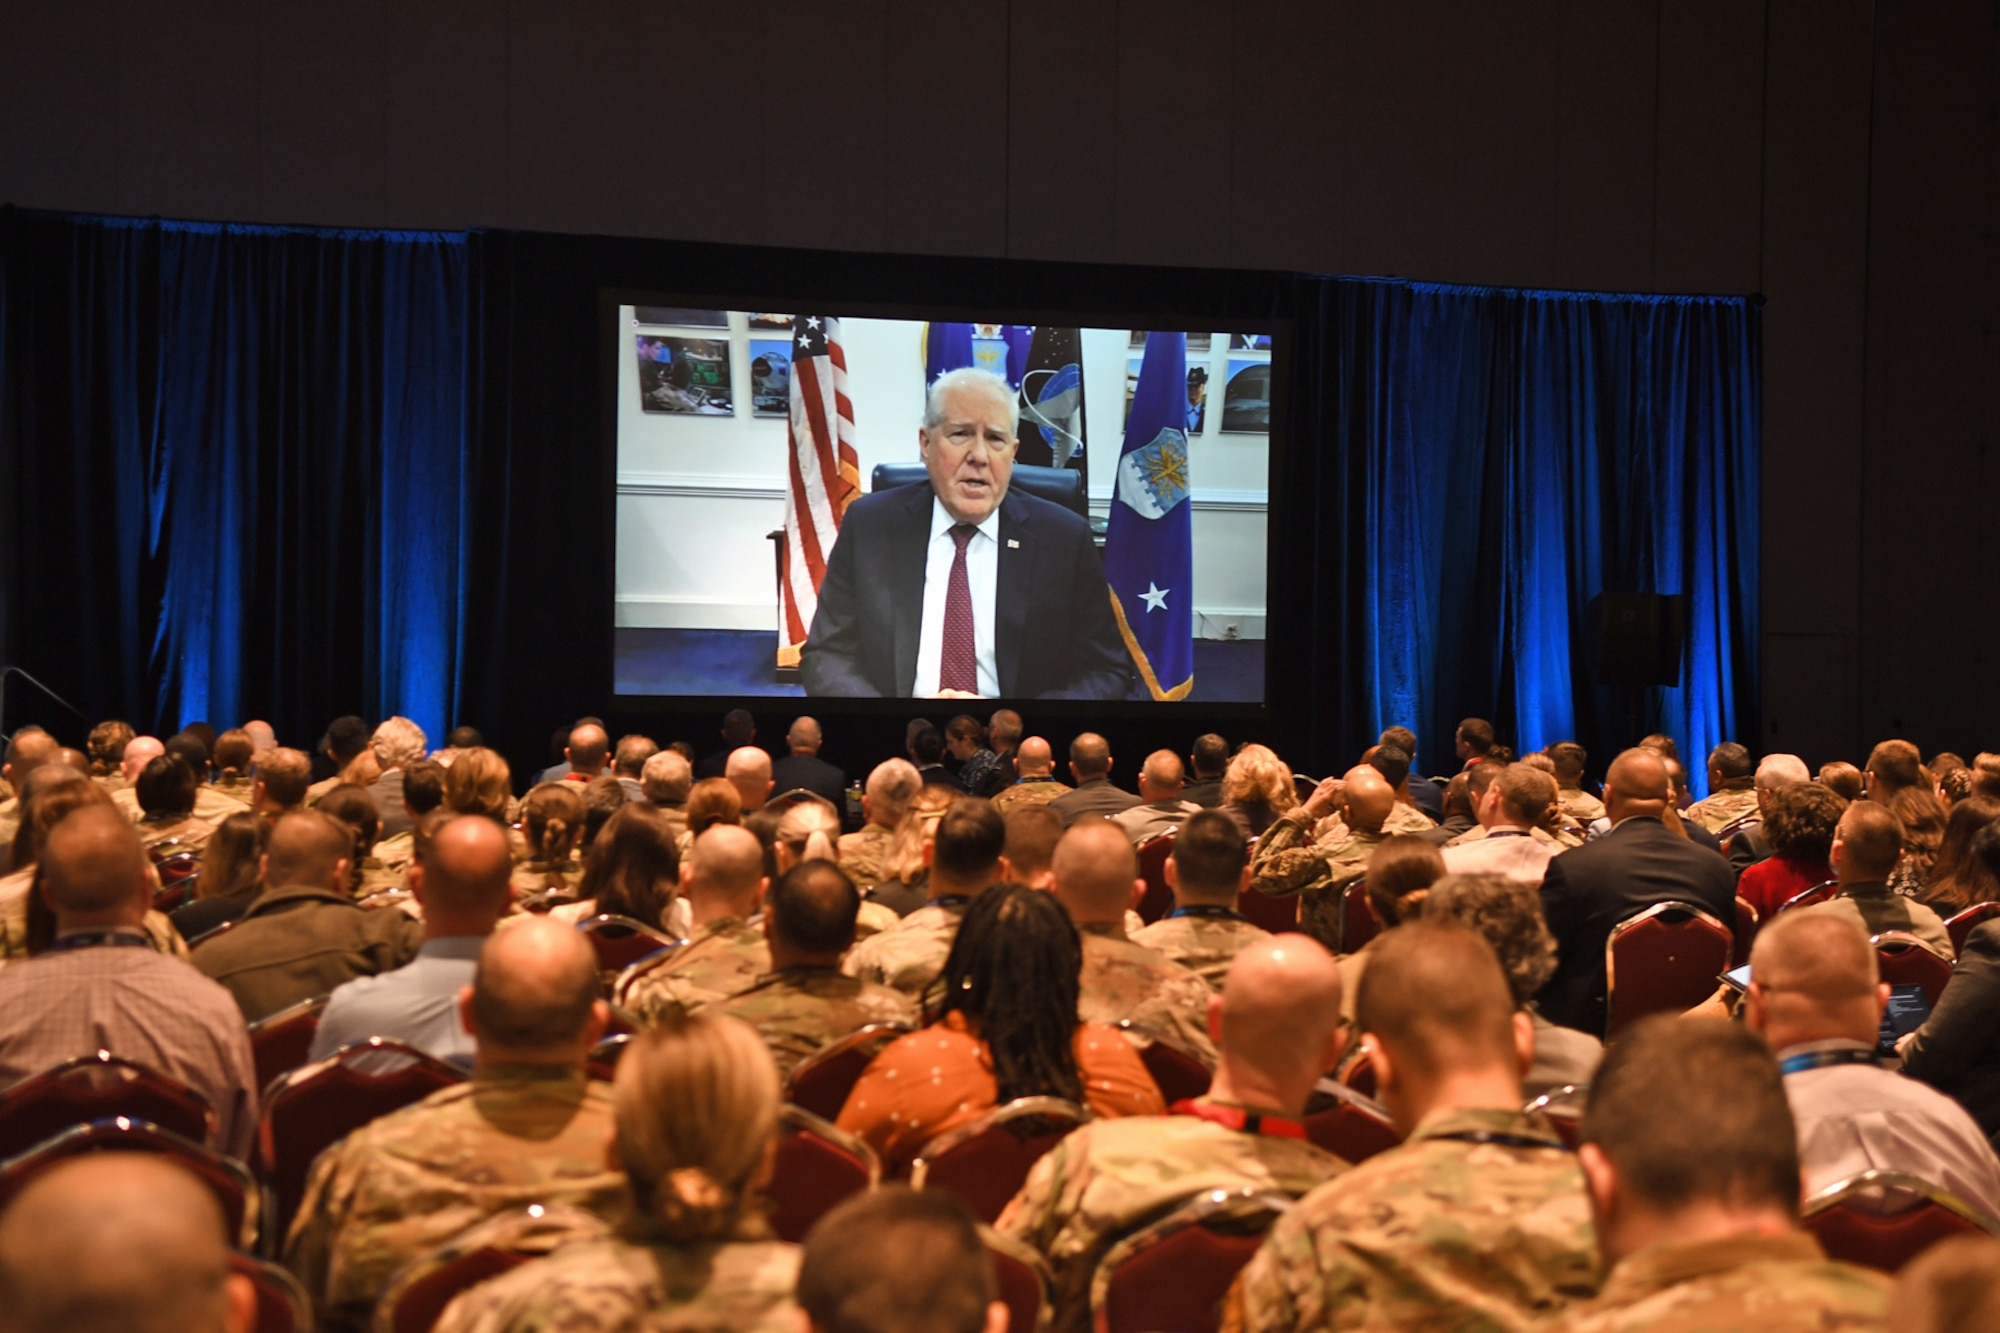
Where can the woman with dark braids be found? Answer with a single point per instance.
(1005, 1027)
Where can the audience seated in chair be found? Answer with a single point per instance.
(1035, 782)
(723, 880)
(1867, 845)
(1511, 809)
(1957, 1050)
(1207, 871)
(1161, 806)
(230, 879)
(964, 859)
(1090, 764)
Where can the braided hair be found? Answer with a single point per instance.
(1014, 971)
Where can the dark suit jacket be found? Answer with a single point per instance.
(1055, 638)
(1095, 797)
(1589, 889)
(812, 773)
(1957, 1050)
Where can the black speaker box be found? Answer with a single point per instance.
(1640, 638)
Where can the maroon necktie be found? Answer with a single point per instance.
(958, 663)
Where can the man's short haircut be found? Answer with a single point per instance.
(1401, 737)
(1435, 993)
(927, 746)
(1871, 840)
(1481, 776)
(92, 861)
(1730, 761)
(588, 747)
(464, 738)
(1391, 761)
(1209, 855)
(1526, 793)
(1782, 770)
(1032, 834)
(397, 743)
(965, 727)
(423, 786)
(666, 778)
(970, 838)
(1825, 958)
(523, 1013)
(897, 1260)
(1091, 754)
(813, 907)
(970, 377)
(632, 754)
(192, 750)
(166, 785)
(1004, 729)
(738, 727)
(346, 737)
(1569, 759)
(1844, 780)
(286, 774)
(1896, 764)
(303, 848)
(1692, 1110)
(1477, 733)
(1210, 755)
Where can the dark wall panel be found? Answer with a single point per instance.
(1607, 66)
(1710, 164)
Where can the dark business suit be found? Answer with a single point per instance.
(1055, 636)
(812, 773)
(1957, 1050)
(1589, 889)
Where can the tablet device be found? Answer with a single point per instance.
(1905, 1013)
(1737, 979)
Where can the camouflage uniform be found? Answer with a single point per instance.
(535, 877)
(1122, 980)
(799, 1010)
(1437, 1233)
(725, 958)
(1774, 1284)
(1290, 861)
(1579, 805)
(191, 833)
(873, 918)
(1876, 909)
(210, 805)
(1407, 819)
(861, 854)
(1028, 791)
(398, 853)
(404, 1184)
(1715, 811)
(909, 957)
(240, 790)
(112, 781)
(379, 877)
(1111, 1177)
(10, 820)
(615, 1286)
(1205, 942)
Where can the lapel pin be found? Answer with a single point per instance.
(1013, 545)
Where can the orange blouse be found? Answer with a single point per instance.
(942, 1077)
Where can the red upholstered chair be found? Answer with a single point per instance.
(1153, 854)
(1276, 915)
(1747, 926)
(178, 871)
(1884, 1219)
(308, 1109)
(225, 1177)
(817, 1166)
(1563, 1109)
(621, 941)
(283, 1041)
(1022, 1276)
(1358, 922)
(985, 1162)
(1359, 1074)
(1960, 926)
(604, 1056)
(99, 1087)
(1907, 961)
(1174, 1273)
(1663, 960)
(419, 1292)
(282, 1304)
(1177, 1074)
(1348, 1124)
(820, 1082)
(1818, 893)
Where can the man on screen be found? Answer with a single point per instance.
(965, 588)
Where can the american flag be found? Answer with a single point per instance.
(825, 472)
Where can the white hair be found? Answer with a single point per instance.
(398, 743)
(1782, 770)
(970, 377)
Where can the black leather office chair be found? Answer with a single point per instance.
(1057, 485)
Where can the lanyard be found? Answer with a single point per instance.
(1799, 1064)
(950, 900)
(1236, 1118)
(91, 939)
(1209, 911)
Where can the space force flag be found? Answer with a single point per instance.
(1149, 545)
(823, 474)
(1052, 401)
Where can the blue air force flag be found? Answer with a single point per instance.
(947, 346)
(1149, 545)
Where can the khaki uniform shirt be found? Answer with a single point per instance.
(1106, 1180)
(1290, 861)
(210, 805)
(800, 1010)
(187, 830)
(240, 790)
(404, 1184)
(398, 853)
(1579, 805)
(614, 1286)
(861, 854)
(1449, 1230)
(299, 941)
(535, 877)
(1028, 791)
(724, 958)
(1774, 1284)
(1407, 819)
(911, 956)
(1714, 811)
(1875, 908)
(1205, 942)
(1123, 981)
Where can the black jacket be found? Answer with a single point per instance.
(1957, 1050)
(812, 773)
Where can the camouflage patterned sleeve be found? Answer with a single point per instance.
(1031, 1217)
(316, 1225)
(1262, 1299)
(1288, 861)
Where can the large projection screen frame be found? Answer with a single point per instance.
(614, 349)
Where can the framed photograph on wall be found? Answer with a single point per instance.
(685, 376)
(1246, 396)
(769, 321)
(770, 377)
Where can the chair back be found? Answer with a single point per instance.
(621, 941)
(1961, 926)
(1662, 960)
(1884, 1219)
(1177, 1074)
(1737, 825)
(1349, 1125)
(1304, 786)
(1276, 915)
(417, 1295)
(816, 1167)
(1747, 924)
(1563, 1108)
(985, 1162)
(604, 1056)
(1057, 485)
(820, 1082)
(1153, 854)
(1907, 961)
(226, 1178)
(99, 1087)
(309, 1109)
(283, 1041)
(178, 872)
(1022, 1277)
(1173, 1273)
(1358, 922)
(282, 1303)
(1824, 891)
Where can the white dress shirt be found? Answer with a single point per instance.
(1505, 850)
(982, 574)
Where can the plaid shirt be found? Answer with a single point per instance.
(141, 1005)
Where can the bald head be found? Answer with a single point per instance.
(1096, 872)
(119, 1243)
(139, 752)
(308, 847)
(1089, 756)
(465, 872)
(725, 870)
(1781, 770)
(589, 746)
(804, 736)
(262, 736)
(534, 997)
(1368, 798)
(749, 771)
(1161, 777)
(1277, 1021)
(28, 751)
(892, 785)
(1814, 977)
(1034, 759)
(94, 870)
(1636, 785)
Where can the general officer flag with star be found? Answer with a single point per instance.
(1149, 545)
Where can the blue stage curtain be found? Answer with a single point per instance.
(239, 453)
(1485, 463)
